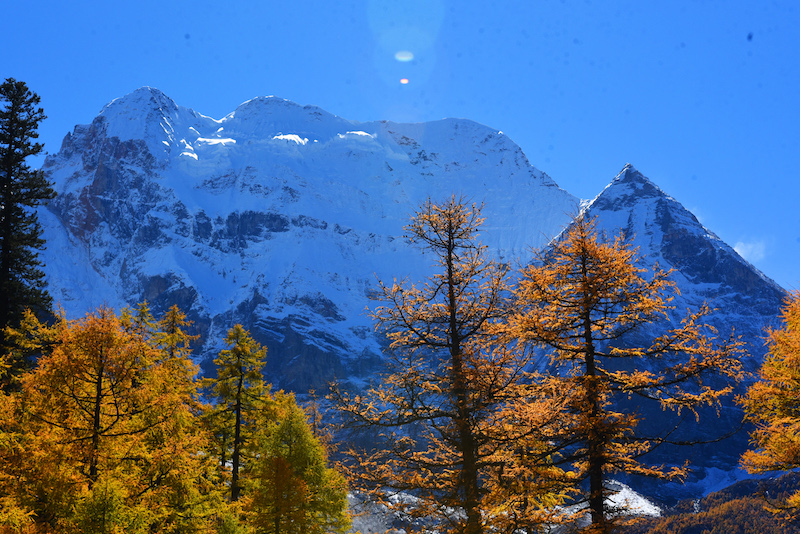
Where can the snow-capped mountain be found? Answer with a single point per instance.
(280, 217)
(277, 216)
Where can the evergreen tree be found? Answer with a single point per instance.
(21, 190)
(580, 303)
(773, 404)
(172, 336)
(240, 395)
(292, 489)
(446, 395)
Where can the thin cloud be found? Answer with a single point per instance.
(753, 251)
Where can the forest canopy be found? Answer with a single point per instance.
(109, 432)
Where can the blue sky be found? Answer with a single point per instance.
(703, 96)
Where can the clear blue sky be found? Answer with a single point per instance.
(702, 96)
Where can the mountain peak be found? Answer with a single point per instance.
(629, 168)
(267, 116)
(627, 187)
(669, 234)
(145, 99)
(149, 115)
(631, 177)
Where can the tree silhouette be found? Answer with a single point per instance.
(21, 190)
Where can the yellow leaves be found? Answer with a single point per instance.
(488, 435)
(105, 436)
(13, 516)
(778, 447)
(106, 412)
(772, 402)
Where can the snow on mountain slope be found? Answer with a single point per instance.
(705, 268)
(277, 216)
(280, 217)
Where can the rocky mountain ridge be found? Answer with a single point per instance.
(277, 216)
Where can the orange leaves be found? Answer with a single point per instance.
(86, 391)
(445, 404)
(474, 429)
(444, 226)
(586, 282)
(773, 402)
(580, 304)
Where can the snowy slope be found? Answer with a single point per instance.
(276, 216)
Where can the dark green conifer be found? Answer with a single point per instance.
(240, 394)
(22, 282)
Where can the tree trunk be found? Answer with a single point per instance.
(5, 254)
(469, 468)
(96, 421)
(237, 440)
(596, 438)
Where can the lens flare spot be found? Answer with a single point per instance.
(404, 81)
(404, 56)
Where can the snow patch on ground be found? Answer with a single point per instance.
(631, 502)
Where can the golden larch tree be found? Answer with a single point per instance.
(439, 406)
(773, 404)
(103, 433)
(580, 302)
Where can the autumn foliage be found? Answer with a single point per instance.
(510, 401)
(441, 410)
(773, 404)
(109, 433)
(479, 440)
(580, 303)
